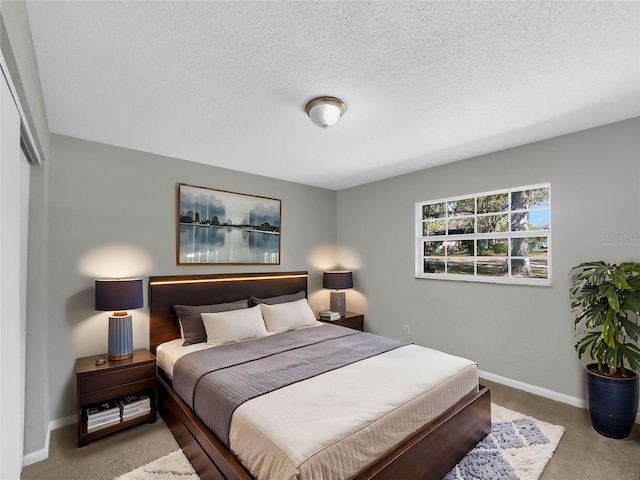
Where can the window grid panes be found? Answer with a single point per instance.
(502, 236)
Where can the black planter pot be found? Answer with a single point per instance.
(613, 403)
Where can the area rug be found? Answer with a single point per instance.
(518, 448)
(174, 466)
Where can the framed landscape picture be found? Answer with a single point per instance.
(220, 227)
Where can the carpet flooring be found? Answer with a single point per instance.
(581, 455)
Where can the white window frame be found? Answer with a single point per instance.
(421, 239)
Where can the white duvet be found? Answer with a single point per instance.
(336, 424)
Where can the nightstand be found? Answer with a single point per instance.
(111, 381)
(350, 320)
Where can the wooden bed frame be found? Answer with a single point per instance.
(429, 454)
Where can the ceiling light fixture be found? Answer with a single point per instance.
(325, 111)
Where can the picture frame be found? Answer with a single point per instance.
(217, 227)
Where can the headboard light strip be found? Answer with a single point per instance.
(228, 279)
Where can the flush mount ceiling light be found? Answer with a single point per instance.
(325, 111)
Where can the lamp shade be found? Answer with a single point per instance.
(112, 295)
(337, 280)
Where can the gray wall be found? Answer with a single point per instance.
(110, 203)
(111, 212)
(523, 333)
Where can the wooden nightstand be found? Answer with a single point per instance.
(111, 381)
(350, 320)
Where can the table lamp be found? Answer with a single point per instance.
(337, 281)
(119, 296)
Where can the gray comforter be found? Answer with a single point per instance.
(216, 381)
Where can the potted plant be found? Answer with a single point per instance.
(605, 303)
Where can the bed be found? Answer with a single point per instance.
(427, 451)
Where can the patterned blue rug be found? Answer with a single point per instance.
(518, 448)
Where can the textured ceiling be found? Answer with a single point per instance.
(425, 83)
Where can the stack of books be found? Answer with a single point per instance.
(102, 415)
(329, 315)
(133, 406)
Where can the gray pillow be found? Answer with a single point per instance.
(192, 327)
(292, 297)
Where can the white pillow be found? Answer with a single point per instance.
(233, 325)
(288, 316)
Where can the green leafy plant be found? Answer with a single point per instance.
(605, 303)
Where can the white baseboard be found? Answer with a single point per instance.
(63, 422)
(43, 454)
(38, 456)
(543, 392)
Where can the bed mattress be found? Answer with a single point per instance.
(336, 424)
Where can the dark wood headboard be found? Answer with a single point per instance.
(167, 291)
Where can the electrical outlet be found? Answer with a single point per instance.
(407, 330)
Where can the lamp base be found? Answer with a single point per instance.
(338, 303)
(120, 337)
